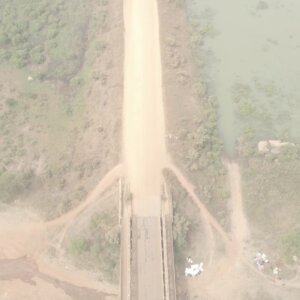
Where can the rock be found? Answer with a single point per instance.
(273, 146)
(263, 147)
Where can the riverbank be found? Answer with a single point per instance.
(194, 143)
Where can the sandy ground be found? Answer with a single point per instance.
(24, 258)
(239, 225)
(144, 143)
(233, 275)
(143, 114)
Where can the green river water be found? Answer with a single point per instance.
(250, 58)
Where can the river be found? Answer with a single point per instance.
(250, 59)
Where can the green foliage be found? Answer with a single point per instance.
(181, 227)
(11, 102)
(205, 145)
(3, 38)
(271, 195)
(292, 244)
(37, 56)
(33, 31)
(289, 153)
(78, 246)
(100, 245)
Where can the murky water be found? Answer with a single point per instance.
(27, 271)
(250, 55)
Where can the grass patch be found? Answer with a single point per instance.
(291, 244)
(48, 33)
(14, 184)
(271, 192)
(98, 247)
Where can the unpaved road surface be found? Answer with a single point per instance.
(143, 116)
(239, 224)
(144, 143)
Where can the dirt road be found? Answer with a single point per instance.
(143, 115)
(144, 146)
(207, 217)
(239, 224)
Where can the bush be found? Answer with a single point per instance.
(12, 185)
(99, 246)
(3, 38)
(292, 244)
(37, 58)
(11, 102)
(181, 227)
(61, 28)
(78, 246)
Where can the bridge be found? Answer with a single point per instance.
(147, 259)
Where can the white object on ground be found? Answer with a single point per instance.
(194, 270)
(273, 146)
(261, 259)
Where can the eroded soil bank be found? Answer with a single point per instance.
(21, 269)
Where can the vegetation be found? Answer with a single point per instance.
(46, 49)
(201, 144)
(271, 192)
(270, 180)
(51, 55)
(181, 229)
(292, 243)
(185, 218)
(199, 136)
(48, 33)
(205, 146)
(12, 185)
(98, 247)
(259, 119)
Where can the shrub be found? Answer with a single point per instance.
(292, 244)
(181, 227)
(78, 246)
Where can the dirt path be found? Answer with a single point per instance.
(239, 224)
(224, 278)
(143, 115)
(144, 146)
(16, 240)
(16, 236)
(207, 217)
(105, 183)
(229, 274)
